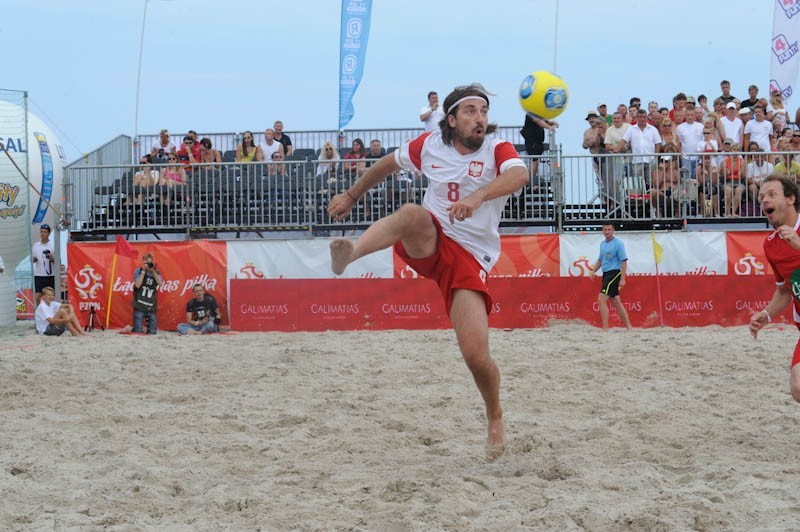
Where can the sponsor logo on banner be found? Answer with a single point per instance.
(754, 305)
(790, 7)
(8, 194)
(87, 283)
(407, 272)
(749, 265)
(249, 271)
(406, 308)
(630, 306)
(332, 308)
(475, 169)
(534, 272)
(689, 308)
(273, 309)
(775, 86)
(783, 49)
(580, 268)
(527, 307)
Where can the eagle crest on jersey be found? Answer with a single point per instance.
(475, 168)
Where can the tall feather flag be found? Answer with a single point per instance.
(658, 254)
(356, 15)
(785, 57)
(123, 249)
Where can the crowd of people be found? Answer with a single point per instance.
(714, 156)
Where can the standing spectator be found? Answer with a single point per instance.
(602, 112)
(162, 147)
(613, 261)
(708, 186)
(53, 318)
(269, 145)
(745, 113)
(533, 133)
(593, 140)
(146, 281)
(283, 138)
(652, 111)
(690, 134)
(667, 132)
(189, 153)
(702, 104)
(644, 142)
(43, 257)
(623, 110)
(678, 103)
(726, 96)
(431, 114)
(751, 102)
(759, 131)
(247, 151)
(612, 141)
(328, 164)
(795, 144)
(354, 159)
(202, 312)
(666, 179)
(731, 126)
(777, 113)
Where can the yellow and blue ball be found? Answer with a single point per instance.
(543, 94)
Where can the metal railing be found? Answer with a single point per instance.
(567, 192)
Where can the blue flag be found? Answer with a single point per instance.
(352, 51)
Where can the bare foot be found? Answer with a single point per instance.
(341, 254)
(496, 442)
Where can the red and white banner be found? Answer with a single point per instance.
(182, 265)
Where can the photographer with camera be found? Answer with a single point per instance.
(202, 313)
(43, 256)
(146, 281)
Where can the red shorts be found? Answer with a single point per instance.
(796, 356)
(451, 266)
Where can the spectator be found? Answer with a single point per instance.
(726, 97)
(787, 133)
(172, 176)
(193, 134)
(731, 126)
(668, 137)
(533, 133)
(431, 114)
(593, 140)
(745, 113)
(208, 154)
(702, 103)
(708, 186)
(269, 145)
(162, 147)
(278, 168)
(146, 281)
(759, 131)
(632, 110)
(664, 112)
(53, 318)
(612, 141)
(623, 110)
(732, 176)
(719, 107)
(247, 151)
(666, 179)
(189, 153)
(652, 112)
(644, 141)
(699, 115)
(678, 102)
(43, 256)
(751, 102)
(146, 178)
(602, 112)
(282, 138)
(756, 171)
(690, 135)
(795, 144)
(328, 164)
(709, 143)
(776, 110)
(787, 164)
(678, 116)
(354, 159)
(376, 151)
(202, 312)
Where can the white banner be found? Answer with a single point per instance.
(785, 57)
(684, 253)
(300, 259)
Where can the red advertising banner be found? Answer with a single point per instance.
(534, 255)
(746, 253)
(182, 265)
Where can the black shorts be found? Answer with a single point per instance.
(41, 282)
(534, 147)
(54, 330)
(611, 281)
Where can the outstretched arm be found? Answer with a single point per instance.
(341, 204)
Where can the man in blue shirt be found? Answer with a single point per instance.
(614, 262)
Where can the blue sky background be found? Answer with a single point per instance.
(219, 66)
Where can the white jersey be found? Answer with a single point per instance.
(451, 177)
(432, 123)
(268, 150)
(44, 311)
(43, 267)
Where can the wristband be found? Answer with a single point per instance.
(769, 318)
(350, 195)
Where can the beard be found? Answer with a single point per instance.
(470, 142)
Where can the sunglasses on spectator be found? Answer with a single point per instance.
(172, 159)
(796, 136)
(706, 132)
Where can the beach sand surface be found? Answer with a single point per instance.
(658, 429)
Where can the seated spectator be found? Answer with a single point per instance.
(732, 176)
(189, 153)
(786, 164)
(283, 138)
(269, 145)
(279, 168)
(208, 154)
(328, 164)
(708, 186)
(787, 133)
(53, 318)
(202, 313)
(354, 163)
(247, 151)
(162, 147)
(666, 179)
(795, 144)
(171, 176)
(756, 170)
(375, 152)
(146, 178)
(777, 113)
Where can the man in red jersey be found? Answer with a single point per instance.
(453, 237)
(780, 201)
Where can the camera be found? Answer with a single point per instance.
(151, 265)
(47, 253)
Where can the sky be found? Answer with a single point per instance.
(216, 66)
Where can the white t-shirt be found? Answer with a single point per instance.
(642, 143)
(44, 311)
(759, 132)
(758, 173)
(268, 150)
(432, 123)
(615, 134)
(782, 113)
(711, 146)
(732, 129)
(689, 135)
(452, 176)
(166, 150)
(43, 267)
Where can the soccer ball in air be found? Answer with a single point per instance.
(543, 94)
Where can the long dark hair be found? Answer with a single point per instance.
(473, 89)
(244, 142)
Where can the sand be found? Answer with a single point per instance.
(660, 429)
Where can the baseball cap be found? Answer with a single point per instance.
(592, 112)
(601, 105)
(690, 99)
(729, 141)
(45, 226)
(730, 105)
(744, 110)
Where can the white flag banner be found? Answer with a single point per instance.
(785, 56)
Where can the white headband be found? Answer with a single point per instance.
(470, 97)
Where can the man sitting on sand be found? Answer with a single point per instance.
(202, 313)
(53, 318)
